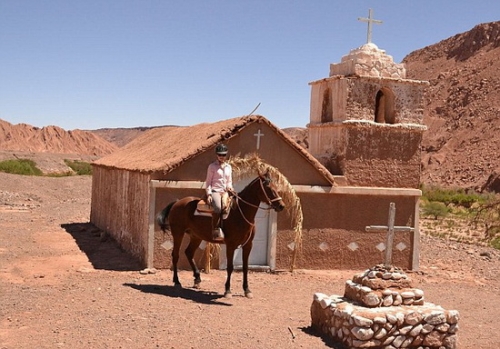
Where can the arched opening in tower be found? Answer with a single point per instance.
(326, 108)
(384, 106)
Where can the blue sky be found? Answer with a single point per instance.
(90, 64)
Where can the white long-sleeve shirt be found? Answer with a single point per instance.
(219, 177)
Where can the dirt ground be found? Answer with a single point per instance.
(65, 285)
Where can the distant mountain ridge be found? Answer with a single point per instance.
(52, 139)
(121, 136)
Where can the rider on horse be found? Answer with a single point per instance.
(219, 184)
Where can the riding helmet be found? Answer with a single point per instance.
(221, 149)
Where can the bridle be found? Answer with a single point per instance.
(269, 203)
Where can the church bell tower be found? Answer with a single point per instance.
(366, 120)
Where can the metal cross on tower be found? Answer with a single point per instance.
(370, 21)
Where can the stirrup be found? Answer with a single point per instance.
(217, 234)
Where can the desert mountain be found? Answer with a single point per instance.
(121, 136)
(52, 139)
(461, 147)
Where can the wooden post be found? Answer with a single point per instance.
(390, 235)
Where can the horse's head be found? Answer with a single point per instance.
(268, 194)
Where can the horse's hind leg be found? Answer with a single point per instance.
(190, 250)
(175, 255)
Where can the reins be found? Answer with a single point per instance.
(269, 202)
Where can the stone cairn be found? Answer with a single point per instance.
(381, 309)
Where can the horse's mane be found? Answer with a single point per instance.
(252, 165)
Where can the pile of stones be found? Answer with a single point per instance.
(381, 309)
(383, 286)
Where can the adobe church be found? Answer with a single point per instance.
(365, 132)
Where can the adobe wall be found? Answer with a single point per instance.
(334, 234)
(336, 237)
(371, 154)
(354, 98)
(381, 156)
(273, 150)
(333, 238)
(408, 99)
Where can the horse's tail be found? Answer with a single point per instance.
(162, 217)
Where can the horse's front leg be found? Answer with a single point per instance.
(190, 251)
(246, 254)
(230, 267)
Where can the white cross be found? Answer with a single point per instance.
(370, 21)
(391, 229)
(258, 135)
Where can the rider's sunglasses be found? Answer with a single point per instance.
(222, 155)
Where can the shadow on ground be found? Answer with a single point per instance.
(197, 296)
(102, 251)
(329, 342)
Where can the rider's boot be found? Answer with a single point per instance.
(217, 234)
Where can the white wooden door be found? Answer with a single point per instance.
(259, 256)
(260, 249)
(265, 222)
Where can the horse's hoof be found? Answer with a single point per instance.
(177, 286)
(196, 285)
(249, 294)
(228, 295)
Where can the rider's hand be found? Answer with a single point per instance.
(209, 199)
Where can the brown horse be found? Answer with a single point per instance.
(238, 227)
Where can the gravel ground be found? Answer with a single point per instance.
(65, 285)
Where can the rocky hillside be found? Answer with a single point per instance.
(462, 145)
(52, 139)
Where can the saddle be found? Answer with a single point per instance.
(204, 209)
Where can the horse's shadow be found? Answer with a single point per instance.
(178, 292)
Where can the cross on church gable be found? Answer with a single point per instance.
(370, 22)
(390, 229)
(258, 135)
